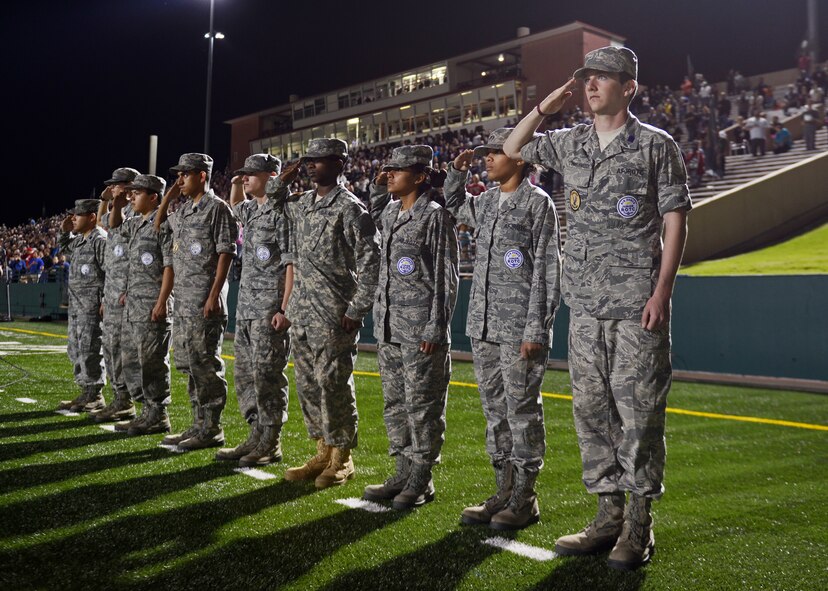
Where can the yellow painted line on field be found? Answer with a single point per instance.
(678, 411)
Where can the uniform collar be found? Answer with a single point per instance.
(627, 140)
(326, 201)
(415, 211)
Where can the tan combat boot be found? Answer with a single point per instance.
(419, 488)
(314, 466)
(482, 514)
(338, 471)
(198, 420)
(79, 401)
(124, 426)
(267, 451)
(120, 409)
(636, 544)
(156, 420)
(522, 509)
(601, 533)
(94, 400)
(210, 435)
(236, 453)
(393, 486)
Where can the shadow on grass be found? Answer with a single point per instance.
(96, 500)
(39, 428)
(27, 476)
(14, 451)
(26, 416)
(105, 556)
(590, 573)
(441, 565)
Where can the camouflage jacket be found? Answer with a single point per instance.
(517, 268)
(115, 261)
(86, 270)
(149, 253)
(201, 232)
(265, 255)
(418, 274)
(616, 202)
(335, 247)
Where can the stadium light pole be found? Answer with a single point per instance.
(211, 37)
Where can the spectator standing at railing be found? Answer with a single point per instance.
(810, 119)
(757, 127)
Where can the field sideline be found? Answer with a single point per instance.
(81, 507)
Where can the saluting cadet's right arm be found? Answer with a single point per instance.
(461, 204)
(531, 121)
(65, 238)
(161, 215)
(236, 191)
(379, 197)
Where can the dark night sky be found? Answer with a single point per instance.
(86, 82)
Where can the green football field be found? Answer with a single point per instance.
(85, 508)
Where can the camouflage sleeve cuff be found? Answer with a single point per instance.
(226, 248)
(353, 313)
(673, 198)
(288, 258)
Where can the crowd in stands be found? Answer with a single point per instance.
(30, 251)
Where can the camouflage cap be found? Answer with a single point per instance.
(322, 147)
(150, 183)
(406, 156)
(496, 140)
(85, 206)
(193, 161)
(610, 59)
(260, 163)
(122, 175)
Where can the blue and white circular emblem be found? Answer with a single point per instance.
(513, 258)
(263, 253)
(627, 206)
(118, 250)
(195, 248)
(147, 258)
(405, 266)
(86, 269)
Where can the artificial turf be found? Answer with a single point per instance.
(83, 508)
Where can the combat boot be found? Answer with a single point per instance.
(483, 513)
(192, 431)
(314, 466)
(338, 471)
(155, 421)
(124, 426)
(419, 488)
(210, 435)
(601, 533)
(636, 544)
(269, 449)
(120, 409)
(522, 509)
(236, 453)
(78, 402)
(94, 400)
(393, 486)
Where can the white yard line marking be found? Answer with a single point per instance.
(107, 428)
(172, 448)
(369, 506)
(25, 400)
(67, 413)
(255, 473)
(526, 550)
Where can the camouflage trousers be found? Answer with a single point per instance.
(197, 353)
(510, 394)
(150, 342)
(324, 360)
(114, 322)
(621, 375)
(414, 389)
(259, 375)
(85, 349)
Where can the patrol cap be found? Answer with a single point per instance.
(323, 147)
(496, 140)
(150, 183)
(260, 163)
(610, 59)
(85, 206)
(193, 161)
(122, 175)
(407, 156)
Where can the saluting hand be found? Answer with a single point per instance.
(67, 223)
(238, 179)
(290, 172)
(173, 192)
(463, 160)
(553, 103)
(381, 179)
(106, 194)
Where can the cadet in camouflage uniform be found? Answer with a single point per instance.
(336, 261)
(115, 267)
(262, 344)
(147, 325)
(204, 242)
(412, 320)
(84, 248)
(625, 182)
(515, 293)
